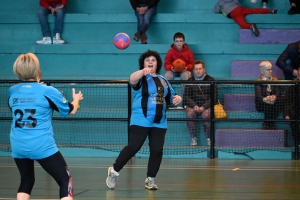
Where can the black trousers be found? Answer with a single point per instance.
(270, 111)
(137, 137)
(55, 165)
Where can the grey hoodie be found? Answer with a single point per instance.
(226, 6)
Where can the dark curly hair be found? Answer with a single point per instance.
(148, 54)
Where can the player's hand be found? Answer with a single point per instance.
(78, 96)
(146, 71)
(176, 99)
(53, 11)
(287, 117)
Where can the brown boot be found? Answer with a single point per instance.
(144, 38)
(137, 36)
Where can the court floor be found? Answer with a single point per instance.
(177, 179)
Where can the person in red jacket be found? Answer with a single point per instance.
(179, 54)
(57, 8)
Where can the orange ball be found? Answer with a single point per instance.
(178, 65)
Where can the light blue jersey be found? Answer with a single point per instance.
(32, 105)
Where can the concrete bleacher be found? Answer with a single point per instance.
(90, 25)
(213, 37)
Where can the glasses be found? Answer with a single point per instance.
(268, 70)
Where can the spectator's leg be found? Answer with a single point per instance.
(169, 75)
(140, 20)
(238, 16)
(43, 18)
(206, 125)
(59, 19)
(151, 12)
(247, 11)
(191, 114)
(185, 75)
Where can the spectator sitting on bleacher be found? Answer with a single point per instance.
(264, 3)
(295, 7)
(233, 9)
(289, 104)
(268, 97)
(178, 54)
(57, 8)
(196, 100)
(144, 11)
(289, 60)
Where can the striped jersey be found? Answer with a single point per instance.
(151, 96)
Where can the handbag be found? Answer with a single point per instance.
(219, 111)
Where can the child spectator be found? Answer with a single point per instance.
(179, 54)
(233, 9)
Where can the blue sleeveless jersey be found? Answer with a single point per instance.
(32, 105)
(151, 95)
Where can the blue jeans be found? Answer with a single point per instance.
(59, 18)
(144, 20)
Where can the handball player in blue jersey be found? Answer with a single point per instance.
(152, 93)
(31, 135)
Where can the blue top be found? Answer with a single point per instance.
(151, 95)
(32, 105)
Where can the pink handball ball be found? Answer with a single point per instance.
(122, 41)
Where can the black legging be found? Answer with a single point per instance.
(137, 137)
(55, 165)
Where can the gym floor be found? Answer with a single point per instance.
(177, 179)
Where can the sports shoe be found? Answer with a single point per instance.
(208, 141)
(254, 30)
(194, 142)
(293, 10)
(149, 184)
(111, 178)
(45, 40)
(274, 11)
(57, 39)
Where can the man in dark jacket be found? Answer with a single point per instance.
(289, 60)
(197, 101)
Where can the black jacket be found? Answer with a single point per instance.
(193, 96)
(291, 52)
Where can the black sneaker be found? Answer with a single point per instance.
(293, 10)
(254, 30)
(274, 11)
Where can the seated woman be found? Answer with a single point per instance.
(268, 97)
